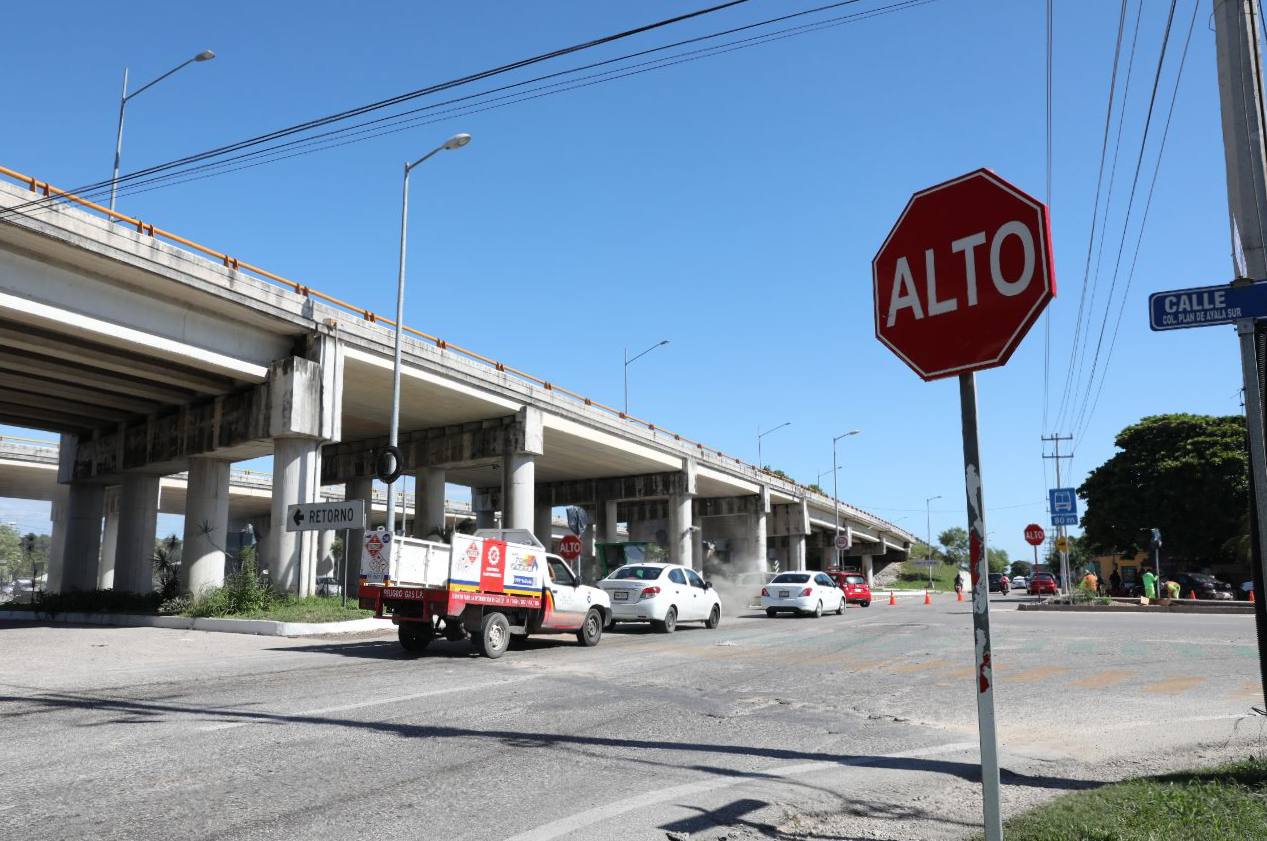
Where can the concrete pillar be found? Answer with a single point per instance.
(543, 524)
(262, 526)
(83, 537)
(109, 539)
(868, 569)
(611, 525)
(296, 478)
(517, 503)
(138, 521)
(206, 525)
(760, 550)
(697, 548)
(482, 505)
(681, 531)
(429, 502)
(325, 553)
(57, 538)
(796, 552)
(355, 489)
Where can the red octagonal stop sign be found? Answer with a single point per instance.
(962, 276)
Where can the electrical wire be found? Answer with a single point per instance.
(1047, 314)
(428, 115)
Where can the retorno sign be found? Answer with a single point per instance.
(963, 275)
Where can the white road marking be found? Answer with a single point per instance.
(375, 703)
(581, 820)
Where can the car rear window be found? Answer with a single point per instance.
(1045, 576)
(855, 579)
(638, 573)
(791, 578)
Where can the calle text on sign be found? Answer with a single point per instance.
(1206, 306)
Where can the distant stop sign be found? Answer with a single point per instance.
(1034, 534)
(570, 547)
(962, 276)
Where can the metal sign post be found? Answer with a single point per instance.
(980, 608)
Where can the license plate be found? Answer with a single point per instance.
(783, 594)
(621, 595)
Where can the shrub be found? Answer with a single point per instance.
(242, 592)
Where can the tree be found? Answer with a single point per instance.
(167, 566)
(920, 552)
(1024, 568)
(10, 553)
(1184, 474)
(997, 559)
(954, 544)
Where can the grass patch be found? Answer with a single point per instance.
(911, 577)
(294, 609)
(1225, 802)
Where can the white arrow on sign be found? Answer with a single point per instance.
(325, 516)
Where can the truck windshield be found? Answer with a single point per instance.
(639, 573)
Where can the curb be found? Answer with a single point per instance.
(1139, 608)
(262, 627)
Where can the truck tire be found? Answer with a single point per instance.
(591, 630)
(669, 624)
(714, 618)
(494, 636)
(413, 636)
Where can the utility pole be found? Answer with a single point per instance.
(1236, 25)
(1060, 530)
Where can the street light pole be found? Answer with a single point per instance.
(760, 435)
(457, 141)
(660, 343)
(928, 547)
(205, 55)
(835, 494)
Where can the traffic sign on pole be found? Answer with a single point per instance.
(963, 275)
(1204, 306)
(570, 547)
(323, 516)
(1034, 534)
(844, 540)
(1064, 506)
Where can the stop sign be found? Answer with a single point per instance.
(1034, 534)
(570, 547)
(962, 276)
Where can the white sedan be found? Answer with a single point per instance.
(662, 594)
(808, 593)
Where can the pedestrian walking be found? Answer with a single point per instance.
(1115, 582)
(1150, 583)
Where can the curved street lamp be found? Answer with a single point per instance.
(629, 361)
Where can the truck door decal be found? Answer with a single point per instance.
(493, 566)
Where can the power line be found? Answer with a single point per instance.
(411, 95)
(1148, 203)
(1130, 204)
(1047, 314)
(419, 116)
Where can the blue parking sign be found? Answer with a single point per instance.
(1064, 506)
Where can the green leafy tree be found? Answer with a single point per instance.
(954, 545)
(10, 553)
(920, 552)
(1185, 474)
(997, 559)
(1024, 568)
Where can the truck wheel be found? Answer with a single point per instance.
(494, 636)
(669, 624)
(714, 618)
(413, 637)
(591, 629)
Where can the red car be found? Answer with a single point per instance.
(1042, 582)
(855, 586)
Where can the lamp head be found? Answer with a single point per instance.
(205, 55)
(457, 141)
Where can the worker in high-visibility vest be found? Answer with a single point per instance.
(1150, 583)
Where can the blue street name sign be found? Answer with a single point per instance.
(1204, 306)
(1064, 506)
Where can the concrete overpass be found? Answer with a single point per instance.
(153, 355)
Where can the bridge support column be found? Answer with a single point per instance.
(796, 552)
(520, 490)
(138, 521)
(109, 539)
(325, 553)
(57, 542)
(868, 569)
(362, 488)
(429, 502)
(296, 478)
(83, 537)
(543, 525)
(760, 551)
(611, 524)
(681, 530)
(206, 525)
(482, 505)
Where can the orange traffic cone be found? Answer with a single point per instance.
(893, 601)
(927, 598)
(1192, 594)
(959, 595)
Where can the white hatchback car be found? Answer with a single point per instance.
(662, 594)
(808, 593)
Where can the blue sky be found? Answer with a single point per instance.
(731, 205)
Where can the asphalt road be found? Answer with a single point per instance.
(854, 726)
